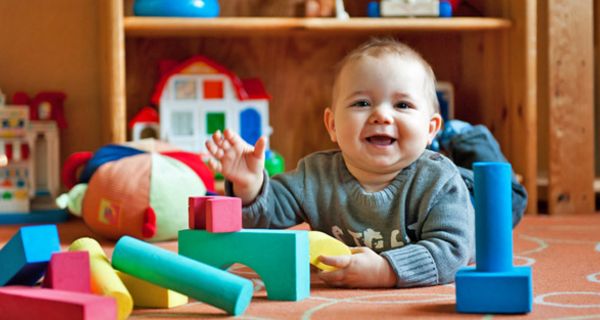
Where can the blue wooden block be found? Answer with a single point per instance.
(494, 292)
(25, 257)
(279, 257)
(494, 285)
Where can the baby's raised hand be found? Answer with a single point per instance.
(363, 269)
(238, 162)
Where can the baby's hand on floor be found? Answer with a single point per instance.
(363, 269)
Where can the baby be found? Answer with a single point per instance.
(405, 210)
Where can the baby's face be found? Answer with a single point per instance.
(382, 119)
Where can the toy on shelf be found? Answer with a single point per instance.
(177, 8)
(415, 8)
(326, 8)
(29, 158)
(494, 285)
(138, 188)
(198, 97)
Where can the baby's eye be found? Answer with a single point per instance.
(402, 105)
(360, 103)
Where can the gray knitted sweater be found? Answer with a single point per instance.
(422, 222)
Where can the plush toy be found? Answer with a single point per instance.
(138, 189)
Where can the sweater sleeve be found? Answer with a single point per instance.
(278, 205)
(446, 240)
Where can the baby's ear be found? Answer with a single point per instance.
(435, 124)
(329, 120)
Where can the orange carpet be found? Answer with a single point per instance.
(563, 251)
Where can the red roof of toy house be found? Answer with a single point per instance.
(247, 89)
(146, 114)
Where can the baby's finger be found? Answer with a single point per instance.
(214, 165)
(333, 278)
(233, 139)
(217, 138)
(211, 147)
(339, 262)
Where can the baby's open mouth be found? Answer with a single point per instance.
(381, 140)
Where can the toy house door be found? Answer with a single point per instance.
(250, 125)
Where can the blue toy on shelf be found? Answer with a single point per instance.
(177, 8)
(494, 285)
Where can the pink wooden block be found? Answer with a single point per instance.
(69, 271)
(196, 210)
(17, 302)
(224, 214)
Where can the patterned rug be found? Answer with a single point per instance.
(564, 253)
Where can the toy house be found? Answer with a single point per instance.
(199, 97)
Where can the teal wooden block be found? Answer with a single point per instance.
(198, 280)
(279, 257)
(25, 257)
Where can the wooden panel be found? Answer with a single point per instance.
(597, 87)
(53, 45)
(571, 101)
(112, 42)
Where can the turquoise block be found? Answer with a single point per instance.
(200, 281)
(494, 292)
(279, 257)
(25, 257)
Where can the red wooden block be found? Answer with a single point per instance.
(196, 210)
(69, 271)
(224, 214)
(17, 302)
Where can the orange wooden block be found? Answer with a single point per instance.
(17, 302)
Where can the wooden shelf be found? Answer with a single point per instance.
(158, 27)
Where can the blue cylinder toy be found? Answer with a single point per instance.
(177, 8)
(493, 216)
(200, 281)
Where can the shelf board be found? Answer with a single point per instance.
(259, 26)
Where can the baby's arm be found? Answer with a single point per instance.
(238, 162)
(363, 269)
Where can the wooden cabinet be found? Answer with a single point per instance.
(490, 60)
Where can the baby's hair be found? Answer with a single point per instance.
(379, 46)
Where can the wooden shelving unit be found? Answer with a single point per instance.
(491, 61)
(182, 27)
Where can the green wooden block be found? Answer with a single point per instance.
(279, 257)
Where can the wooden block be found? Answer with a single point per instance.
(25, 257)
(148, 295)
(104, 278)
(224, 214)
(280, 257)
(200, 281)
(69, 271)
(322, 244)
(196, 212)
(18, 302)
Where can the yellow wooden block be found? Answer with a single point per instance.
(322, 244)
(148, 295)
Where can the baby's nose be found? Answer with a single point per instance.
(381, 115)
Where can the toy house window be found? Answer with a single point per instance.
(185, 89)
(181, 123)
(215, 121)
(213, 89)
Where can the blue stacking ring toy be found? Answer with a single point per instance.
(177, 8)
